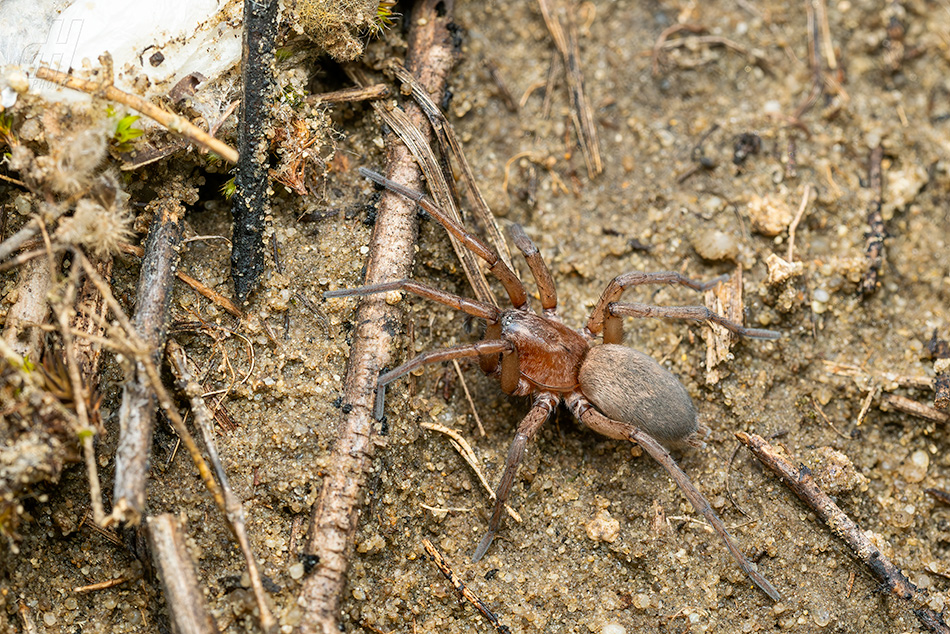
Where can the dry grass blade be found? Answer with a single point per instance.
(468, 396)
(446, 133)
(465, 450)
(438, 185)
(185, 599)
(581, 112)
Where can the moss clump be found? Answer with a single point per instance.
(338, 26)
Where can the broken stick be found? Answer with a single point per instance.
(251, 200)
(184, 598)
(137, 412)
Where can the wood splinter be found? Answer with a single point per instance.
(876, 232)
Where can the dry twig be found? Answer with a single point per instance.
(172, 122)
(800, 480)
(199, 287)
(251, 201)
(360, 93)
(912, 407)
(184, 598)
(334, 520)
(137, 412)
(462, 589)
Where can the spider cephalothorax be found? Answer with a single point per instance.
(615, 390)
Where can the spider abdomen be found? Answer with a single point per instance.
(627, 385)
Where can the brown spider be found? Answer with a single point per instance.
(617, 391)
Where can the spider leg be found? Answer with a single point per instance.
(539, 270)
(469, 306)
(694, 313)
(496, 266)
(471, 350)
(595, 324)
(543, 405)
(588, 415)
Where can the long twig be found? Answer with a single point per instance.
(801, 482)
(233, 509)
(183, 596)
(251, 202)
(173, 122)
(137, 412)
(334, 520)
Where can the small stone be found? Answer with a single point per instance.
(821, 295)
(915, 467)
(835, 473)
(780, 270)
(603, 528)
(770, 214)
(716, 245)
(613, 628)
(296, 571)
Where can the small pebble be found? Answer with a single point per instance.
(716, 245)
(821, 295)
(915, 467)
(603, 528)
(613, 628)
(296, 571)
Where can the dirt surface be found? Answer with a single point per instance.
(607, 543)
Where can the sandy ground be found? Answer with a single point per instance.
(607, 542)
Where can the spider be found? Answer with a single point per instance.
(617, 391)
